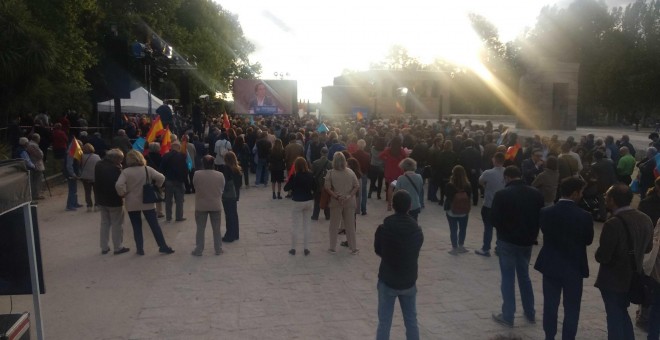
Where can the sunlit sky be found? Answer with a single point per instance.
(315, 41)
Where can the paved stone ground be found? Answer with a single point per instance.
(255, 290)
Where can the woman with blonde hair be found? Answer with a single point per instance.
(457, 208)
(87, 166)
(342, 184)
(233, 182)
(301, 184)
(130, 186)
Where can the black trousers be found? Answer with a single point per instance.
(571, 285)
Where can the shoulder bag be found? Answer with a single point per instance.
(640, 289)
(150, 192)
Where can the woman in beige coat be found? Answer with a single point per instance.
(342, 184)
(129, 186)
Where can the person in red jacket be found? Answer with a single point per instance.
(392, 156)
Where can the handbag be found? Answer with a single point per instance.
(324, 198)
(640, 288)
(150, 192)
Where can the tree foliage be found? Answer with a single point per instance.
(54, 51)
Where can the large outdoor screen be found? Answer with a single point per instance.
(265, 97)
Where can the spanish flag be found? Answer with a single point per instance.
(166, 142)
(511, 152)
(75, 151)
(225, 121)
(399, 108)
(155, 130)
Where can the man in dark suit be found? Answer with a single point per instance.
(567, 231)
(515, 214)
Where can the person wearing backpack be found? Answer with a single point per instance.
(457, 207)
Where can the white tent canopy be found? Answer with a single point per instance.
(138, 103)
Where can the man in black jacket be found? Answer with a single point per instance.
(174, 167)
(397, 242)
(470, 159)
(515, 215)
(567, 231)
(109, 202)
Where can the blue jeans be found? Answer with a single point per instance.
(571, 284)
(231, 219)
(262, 172)
(407, 299)
(619, 325)
(514, 260)
(174, 190)
(152, 220)
(363, 194)
(654, 313)
(457, 225)
(488, 228)
(72, 197)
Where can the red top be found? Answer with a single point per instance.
(364, 159)
(392, 170)
(59, 140)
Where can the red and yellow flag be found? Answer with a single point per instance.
(511, 152)
(75, 150)
(154, 130)
(184, 144)
(166, 142)
(225, 121)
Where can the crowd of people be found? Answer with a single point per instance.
(524, 185)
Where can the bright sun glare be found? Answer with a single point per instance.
(315, 41)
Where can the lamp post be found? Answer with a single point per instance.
(403, 94)
(374, 93)
(281, 75)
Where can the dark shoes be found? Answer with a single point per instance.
(121, 251)
(103, 252)
(364, 213)
(306, 252)
(274, 197)
(500, 319)
(227, 239)
(315, 218)
(342, 232)
(181, 219)
(292, 252)
(344, 244)
(166, 250)
(530, 318)
(140, 252)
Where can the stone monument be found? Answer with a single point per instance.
(548, 96)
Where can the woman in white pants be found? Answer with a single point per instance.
(301, 184)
